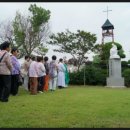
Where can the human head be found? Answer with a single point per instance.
(14, 51)
(5, 46)
(65, 61)
(39, 58)
(45, 58)
(60, 60)
(27, 57)
(53, 57)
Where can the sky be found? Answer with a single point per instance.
(87, 16)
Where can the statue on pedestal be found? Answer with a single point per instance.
(115, 79)
(114, 52)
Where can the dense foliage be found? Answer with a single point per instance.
(89, 75)
(96, 74)
(78, 44)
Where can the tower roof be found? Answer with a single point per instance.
(107, 25)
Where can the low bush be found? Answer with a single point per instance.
(90, 75)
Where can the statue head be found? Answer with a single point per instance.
(114, 52)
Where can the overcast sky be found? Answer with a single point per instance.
(84, 16)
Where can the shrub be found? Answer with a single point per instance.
(126, 75)
(93, 76)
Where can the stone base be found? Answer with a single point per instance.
(115, 86)
(115, 82)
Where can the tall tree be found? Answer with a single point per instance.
(32, 31)
(6, 33)
(77, 44)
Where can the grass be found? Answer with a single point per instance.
(72, 107)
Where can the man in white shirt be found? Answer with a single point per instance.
(41, 74)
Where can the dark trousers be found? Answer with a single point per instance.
(29, 84)
(60, 87)
(41, 83)
(14, 84)
(5, 85)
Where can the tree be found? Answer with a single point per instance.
(32, 31)
(77, 44)
(6, 33)
(96, 59)
(103, 51)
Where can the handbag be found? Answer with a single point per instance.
(20, 80)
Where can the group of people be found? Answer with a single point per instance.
(39, 74)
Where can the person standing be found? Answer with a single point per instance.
(61, 74)
(15, 72)
(33, 76)
(46, 64)
(25, 67)
(41, 74)
(5, 72)
(53, 74)
(66, 74)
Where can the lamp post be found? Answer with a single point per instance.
(84, 69)
(84, 74)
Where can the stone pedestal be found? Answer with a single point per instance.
(115, 79)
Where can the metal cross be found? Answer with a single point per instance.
(107, 11)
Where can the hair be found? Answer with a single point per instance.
(39, 58)
(65, 61)
(26, 57)
(1, 46)
(60, 59)
(54, 57)
(14, 49)
(45, 58)
(5, 45)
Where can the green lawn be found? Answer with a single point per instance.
(80, 107)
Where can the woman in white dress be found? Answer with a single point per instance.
(61, 74)
(53, 74)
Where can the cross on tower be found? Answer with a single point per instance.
(107, 11)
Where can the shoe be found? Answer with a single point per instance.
(40, 92)
(4, 100)
(33, 93)
(14, 94)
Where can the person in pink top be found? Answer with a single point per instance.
(5, 72)
(33, 76)
(25, 67)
